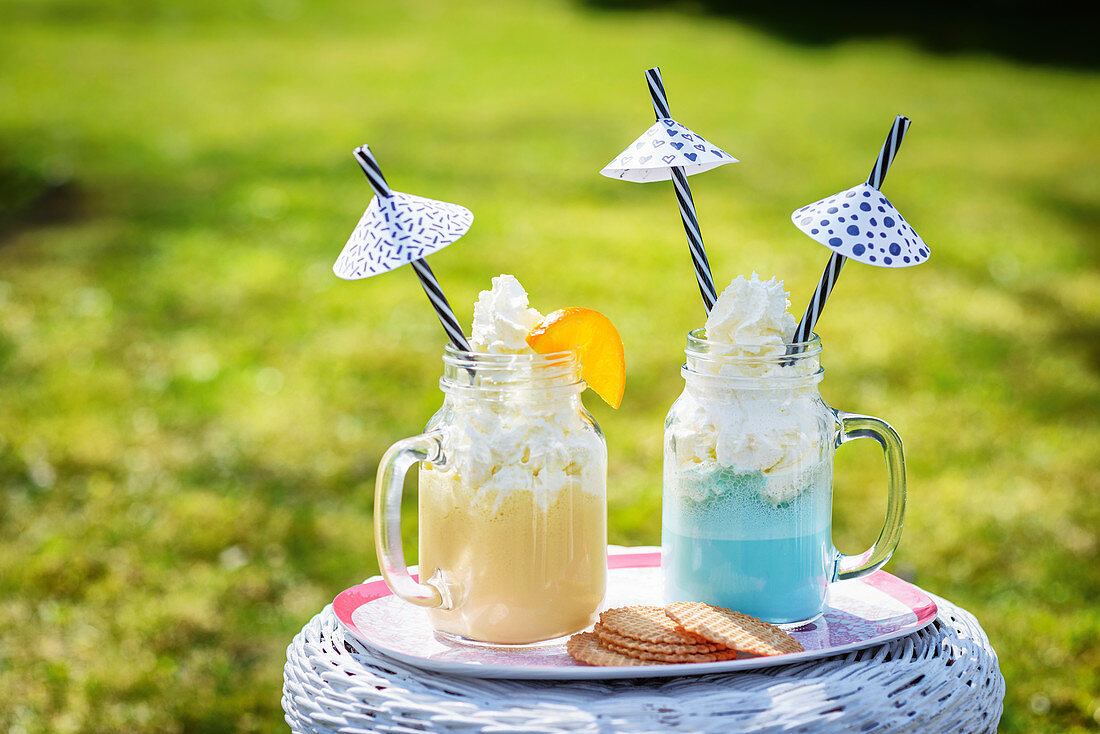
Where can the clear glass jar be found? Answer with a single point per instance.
(512, 506)
(748, 469)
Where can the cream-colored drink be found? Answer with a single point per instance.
(525, 572)
(513, 520)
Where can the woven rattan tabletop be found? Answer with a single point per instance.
(943, 678)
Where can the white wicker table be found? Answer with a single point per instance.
(943, 678)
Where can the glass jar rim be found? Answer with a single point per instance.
(487, 373)
(462, 358)
(701, 351)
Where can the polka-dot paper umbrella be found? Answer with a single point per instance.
(397, 229)
(862, 225)
(670, 150)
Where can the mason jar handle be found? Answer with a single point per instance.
(388, 489)
(864, 426)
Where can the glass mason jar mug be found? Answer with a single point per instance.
(748, 468)
(513, 508)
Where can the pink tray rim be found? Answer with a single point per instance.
(912, 596)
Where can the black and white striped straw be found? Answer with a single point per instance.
(427, 278)
(683, 198)
(836, 260)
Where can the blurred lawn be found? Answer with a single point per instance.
(193, 405)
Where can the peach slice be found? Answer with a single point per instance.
(603, 364)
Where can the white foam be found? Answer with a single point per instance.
(777, 431)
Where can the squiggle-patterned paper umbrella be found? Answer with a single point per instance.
(399, 229)
(863, 225)
(666, 145)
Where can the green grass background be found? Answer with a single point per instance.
(192, 406)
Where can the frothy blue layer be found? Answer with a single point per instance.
(734, 504)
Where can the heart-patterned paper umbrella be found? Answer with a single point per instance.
(666, 145)
(670, 150)
(398, 229)
(861, 224)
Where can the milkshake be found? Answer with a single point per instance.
(748, 464)
(513, 518)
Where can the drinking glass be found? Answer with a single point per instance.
(512, 502)
(748, 482)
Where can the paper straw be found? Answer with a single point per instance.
(889, 150)
(427, 278)
(836, 260)
(442, 307)
(683, 198)
(374, 173)
(821, 294)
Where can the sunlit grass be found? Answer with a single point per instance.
(193, 406)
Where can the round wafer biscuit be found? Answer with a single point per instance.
(650, 624)
(701, 657)
(734, 630)
(609, 637)
(585, 647)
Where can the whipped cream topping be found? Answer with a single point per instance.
(752, 317)
(535, 438)
(502, 318)
(726, 425)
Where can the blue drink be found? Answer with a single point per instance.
(725, 542)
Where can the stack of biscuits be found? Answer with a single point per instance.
(684, 632)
